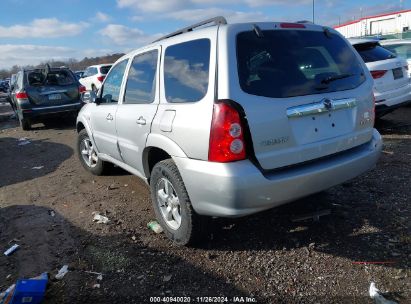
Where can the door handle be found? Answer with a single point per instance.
(109, 116)
(141, 120)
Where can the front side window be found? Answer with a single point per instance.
(112, 86)
(372, 51)
(141, 80)
(186, 71)
(288, 63)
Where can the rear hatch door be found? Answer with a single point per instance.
(57, 87)
(305, 93)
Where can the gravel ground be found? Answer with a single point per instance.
(266, 257)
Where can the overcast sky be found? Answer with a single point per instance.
(32, 31)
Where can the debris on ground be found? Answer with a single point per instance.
(37, 168)
(376, 295)
(11, 250)
(96, 286)
(100, 277)
(113, 187)
(52, 213)
(100, 219)
(62, 272)
(167, 278)
(315, 216)
(23, 141)
(26, 291)
(153, 225)
(5, 296)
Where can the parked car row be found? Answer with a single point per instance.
(40, 93)
(37, 94)
(273, 123)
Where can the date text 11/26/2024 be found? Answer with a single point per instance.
(240, 299)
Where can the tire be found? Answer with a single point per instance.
(25, 123)
(192, 225)
(95, 165)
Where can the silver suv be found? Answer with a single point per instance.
(227, 120)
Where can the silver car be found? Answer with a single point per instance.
(227, 120)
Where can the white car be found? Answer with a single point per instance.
(401, 48)
(94, 75)
(392, 87)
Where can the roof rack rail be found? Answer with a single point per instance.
(216, 21)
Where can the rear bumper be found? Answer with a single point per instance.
(239, 188)
(390, 100)
(35, 112)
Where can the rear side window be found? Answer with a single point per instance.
(59, 78)
(141, 80)
(287, 63)
(371, 52)
(104, 70)
(186, 71)
(401, 50)
(112, 85)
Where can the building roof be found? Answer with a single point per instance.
(373, 16)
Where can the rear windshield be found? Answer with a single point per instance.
(287, 63)
(105, 69)
(39, 78)
(371, 52)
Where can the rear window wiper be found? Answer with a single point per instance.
(329, 79)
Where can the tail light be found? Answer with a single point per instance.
(101, 78)
(226, 135)
(22, 95)
(81, 89)
(378, 74)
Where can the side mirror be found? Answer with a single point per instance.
(90, 97)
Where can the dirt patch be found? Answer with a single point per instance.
(266, 256)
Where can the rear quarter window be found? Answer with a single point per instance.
(186, 71)
(287, 63)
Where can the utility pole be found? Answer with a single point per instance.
(313, 11)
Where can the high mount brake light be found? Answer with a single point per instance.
(292, 25)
